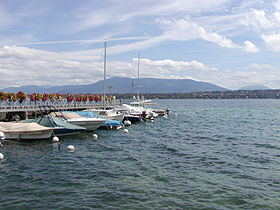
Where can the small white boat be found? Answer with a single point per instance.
(137, 111)
(25, 131)
(147, 104)
(90, 123)
(110, 114)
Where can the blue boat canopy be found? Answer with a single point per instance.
(108, 123)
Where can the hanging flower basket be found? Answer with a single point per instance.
(84, 98)
(78, 98)
(45, 97)
(91, 98)
(32, 97)
(69, 97)
(21, 96)
(97, 98)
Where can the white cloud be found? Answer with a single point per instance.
(260, 20)
(116, 12)
(277, 5)
(184, 29)
(266, 22)
(250, 47)
(272, 41)
(25, 66)
(263, 67)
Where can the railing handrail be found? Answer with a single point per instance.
(58, 105)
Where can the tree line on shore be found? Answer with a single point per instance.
(237, 94)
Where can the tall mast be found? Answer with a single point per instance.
(138, 76)
(104, 79)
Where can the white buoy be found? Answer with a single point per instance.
(1, 156)
(152, 121)
(127, 123)
(125, 130)
(55, 139)
(2, 135)
(176, 114)
(70, 147)
(95, 136)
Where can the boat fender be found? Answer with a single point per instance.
(167, 111)
(55, 139)
(125, 130)
(127, 123)
(1, 156)
(95, 136)
(2, 136)
(165, 116)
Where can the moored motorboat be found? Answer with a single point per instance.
(90, 123)
(132, 118)
(108, 124)
(59, 125)
(109, 114)
(25, 131)
(137, 111)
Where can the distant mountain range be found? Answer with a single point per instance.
(255, 87)
(125, 85)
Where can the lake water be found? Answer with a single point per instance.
(209, 154)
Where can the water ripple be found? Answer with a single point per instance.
(214, 154)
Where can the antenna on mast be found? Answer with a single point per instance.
(104, 79)
(138, 75)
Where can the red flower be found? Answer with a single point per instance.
(91, 98)
(78, 98)
(97, 98)
(69, 97)
(84, 98)
(32, 97)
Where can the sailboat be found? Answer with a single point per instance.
(104, 75)
(142, 104)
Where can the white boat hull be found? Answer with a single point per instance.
(118, 117)
(109, 114)
(88, 123)
(25, 131)
(34, 135)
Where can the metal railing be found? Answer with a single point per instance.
(27, 105)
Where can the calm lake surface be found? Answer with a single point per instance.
(209, 154)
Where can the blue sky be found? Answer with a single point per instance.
(231, 43)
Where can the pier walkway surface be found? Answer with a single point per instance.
(7, 107)
(56, 105)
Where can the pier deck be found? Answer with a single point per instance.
(11, 108)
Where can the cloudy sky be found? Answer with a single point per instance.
(231, 43)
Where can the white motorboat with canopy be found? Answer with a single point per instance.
(25, 131)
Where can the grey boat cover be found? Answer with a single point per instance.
(12, 127)
(50, 121)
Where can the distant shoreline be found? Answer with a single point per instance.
(237, 94)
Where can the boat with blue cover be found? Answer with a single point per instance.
(108, 124)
